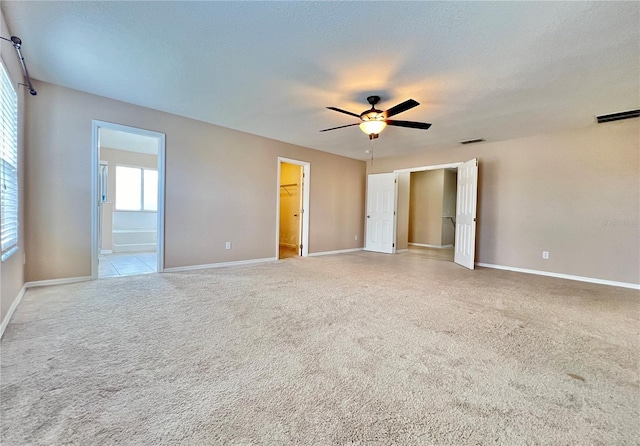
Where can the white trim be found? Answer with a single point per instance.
(96, 125)
(423, 168)
(424, 245)
(162, 153)
(12, 309)
(39, 283)
(106, 251)
(219, 265)
(306, 169)
(339, 251)
(95, 203)
(634, 286)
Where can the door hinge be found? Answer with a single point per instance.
(301, 246)
(395, 181)
(393, 245)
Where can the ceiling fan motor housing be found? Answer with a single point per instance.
(372, 114)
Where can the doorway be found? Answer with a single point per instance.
(388, 194)
(127, 201)
(449, 220)
(431, 214)
(292, 236)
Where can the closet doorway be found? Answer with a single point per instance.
(293, 210)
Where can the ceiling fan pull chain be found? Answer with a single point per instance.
(371, 150)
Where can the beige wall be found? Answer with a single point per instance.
(575, 194)
(221, 185)
(425, 207)
(449, 207)
(12, 270)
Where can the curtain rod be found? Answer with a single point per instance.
(17, 43)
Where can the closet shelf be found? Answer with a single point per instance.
(285, 186)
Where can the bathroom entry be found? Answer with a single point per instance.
(292, 220)
(129, 201)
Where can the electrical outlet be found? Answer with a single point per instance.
(227, 245)
(545, 255)
(356, 237)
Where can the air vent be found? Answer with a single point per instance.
(472, 141)
(618, 116)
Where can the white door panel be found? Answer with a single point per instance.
(466, 203)
(381, 203)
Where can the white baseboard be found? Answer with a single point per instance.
(218, 265)
(50, 282)
(634, 286)
(12, 309)
(339, 251)
(106, 251)
(431, 246)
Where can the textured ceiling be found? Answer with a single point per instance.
(495, 70)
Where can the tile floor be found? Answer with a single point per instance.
(127, 264)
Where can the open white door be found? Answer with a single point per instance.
(381, 207)
(466, 202)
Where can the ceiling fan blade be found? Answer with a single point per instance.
(403, 107)
(410, 124)
(341, 127)
(343, 111)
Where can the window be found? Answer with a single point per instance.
(8, 166)
(136, 189)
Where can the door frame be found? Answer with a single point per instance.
(304, 238)
(96, 125)
(434, 167)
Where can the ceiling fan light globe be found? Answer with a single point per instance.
(372, 127)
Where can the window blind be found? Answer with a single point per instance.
(8, 165)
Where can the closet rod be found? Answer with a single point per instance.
(17, 44)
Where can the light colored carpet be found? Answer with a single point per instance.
(358, 349)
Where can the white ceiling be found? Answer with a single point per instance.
(492, 70)
(129, 142)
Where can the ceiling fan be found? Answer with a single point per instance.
(374, 120)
